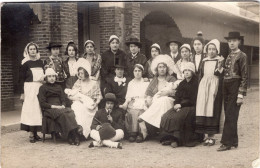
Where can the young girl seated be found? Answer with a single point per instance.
(52, 101)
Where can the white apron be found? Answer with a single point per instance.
(31, 110)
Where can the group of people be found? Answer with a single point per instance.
(177, 96)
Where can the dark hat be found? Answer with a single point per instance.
(110, 97)
(173, 41)
(53, 44)
(119, 63)
(134, 40)
(234, 35)
(106, 131)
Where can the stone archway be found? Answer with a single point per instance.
(157, 27)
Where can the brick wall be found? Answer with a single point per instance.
(59, 23)
(7, 93)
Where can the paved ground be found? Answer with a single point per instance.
(18, 152)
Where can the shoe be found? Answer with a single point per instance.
(174, 144)
(166, 142)
(37, 138)
(139, 139)
(211, 142)
(57, 135)
(119, 146)
(131, 139)
(70, 140)
(235, 146)
(223, 148)
(91, 145)
(77, 141)
(206, 142)
(32, 139)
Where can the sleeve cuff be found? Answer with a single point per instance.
(240, 96)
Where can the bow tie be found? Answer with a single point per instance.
(120, 80)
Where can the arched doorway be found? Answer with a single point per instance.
(157, 27)
(16, 20)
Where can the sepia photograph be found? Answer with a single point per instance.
(130, 84)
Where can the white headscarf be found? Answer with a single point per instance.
(26, 52)
(215, 42)
(166, 60)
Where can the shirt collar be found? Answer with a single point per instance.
(238, 50)
(174, 55)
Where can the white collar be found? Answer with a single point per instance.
(174, 55)
(120, 81)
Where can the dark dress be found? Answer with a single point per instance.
(210, 125)
(181, 124)
(130, 63)
(70, 80)
(197, 69)
(52, 94)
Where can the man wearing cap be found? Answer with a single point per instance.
(174, 49)
(134, 57)
(108, 60)
(107, 125)
(56, 63)
(234, 90)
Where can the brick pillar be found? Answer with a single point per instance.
(68, 24)
(41, 33)
(132, 19)
(59, 24)
(7, 92)
(112, 21)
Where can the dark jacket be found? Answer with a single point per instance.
(176, 58)
(193, 60)
(236, 67)
(130, 62)
(101, 115)
(119, 91)
(186, 94)
(108, 62)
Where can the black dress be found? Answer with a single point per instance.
(52, 94)
(181, 124)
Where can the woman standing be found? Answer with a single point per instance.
(70, 64)
(31, 76)
(55, 62)
(135, 104)
(93, 58)
(209, 100)
(185, 58)
(155, 51)
(159, 91)
(85, 95)
(198, 45)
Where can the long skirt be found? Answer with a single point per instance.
(209, 105)
(154, 113)
(84, 116)
(64, 121)
(131, 120)
(180, 124)
(31, 115)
